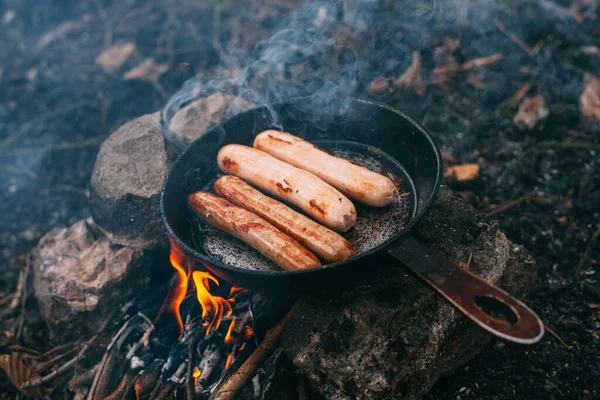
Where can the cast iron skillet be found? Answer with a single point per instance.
(377, 131)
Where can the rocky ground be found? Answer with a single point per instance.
(509, 86)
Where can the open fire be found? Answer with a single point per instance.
(218, 344)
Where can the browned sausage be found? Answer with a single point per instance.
(355, 181)
(252, 230)
(322, 241)
(303, 189)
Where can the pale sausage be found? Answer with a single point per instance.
(295, 186)
(322, 241)
(355, 181)
(252, 230)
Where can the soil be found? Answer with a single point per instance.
(57, 105)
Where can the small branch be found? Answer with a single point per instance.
(16, 300)
(509, 204)
(229, 389)
(24, 297)
(586, 254)
(512, 36)
(189, 386)
(54, 360)
(74, 360)
(468, 266)
(557, 337)
(547, 145)
(26, 127)
(481, 61)
(106, 364)
(60, 146)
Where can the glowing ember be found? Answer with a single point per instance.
(196, 374)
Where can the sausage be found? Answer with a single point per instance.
(322, 241)
(252, 230)
(292, 185)
(355, 181)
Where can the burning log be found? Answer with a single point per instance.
(230, 388)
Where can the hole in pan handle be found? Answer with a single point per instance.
(471, 294)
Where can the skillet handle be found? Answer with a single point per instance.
(469, 293)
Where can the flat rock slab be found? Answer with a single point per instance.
(80, 277)
(393, 336)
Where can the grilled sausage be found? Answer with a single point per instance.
(303, 189)
(252, 230)
(355, 181)
(322, 241)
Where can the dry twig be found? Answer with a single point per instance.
(229, 388)
(557, 337)
(468, 266)
(512, 36)
(24, 297)
(518, 96)
(586, 254)
(548, 145)
(74, 360)
(509, 204)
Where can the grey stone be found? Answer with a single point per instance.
(193, 120)
(126, 181)
(393, 336)
(80, 277)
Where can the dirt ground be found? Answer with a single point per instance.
(481, 65)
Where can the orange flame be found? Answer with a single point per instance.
(246, 334)
(179, 289)
(229, 339)
(213, 307)
(228, 362)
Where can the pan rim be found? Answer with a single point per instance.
(385, 246)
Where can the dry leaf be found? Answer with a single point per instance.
(531, 111)
(591, 50)
(447, 158)
(379, 85)
(412, 76)
(111, 59)
(19, 373)
(481, 62)
(518, 96)
(590, 98)
(148, 70)
(476, 80)
(461, 172)
(451, 44)
(446, 72)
